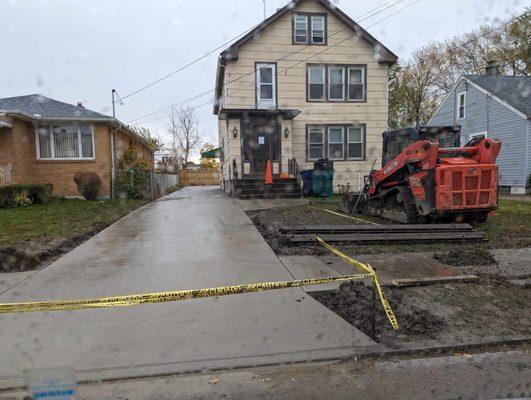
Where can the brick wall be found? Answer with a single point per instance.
(17, 147)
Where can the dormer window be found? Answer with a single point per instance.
(309, 29)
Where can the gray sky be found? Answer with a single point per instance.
(78, 50)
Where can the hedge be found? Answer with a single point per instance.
(37, 193)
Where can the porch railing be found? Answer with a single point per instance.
(294, 170)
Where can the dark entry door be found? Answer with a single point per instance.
(262, 143)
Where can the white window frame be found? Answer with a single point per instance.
(266, 103)
(342, 128)
(458, 105)
(338, 67)
(323, 75)
(323, 18)
(52, 147)
(362, 129)
(322, 128)
(363, 91)
(307, 30)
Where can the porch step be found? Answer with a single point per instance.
(261, 182)
(267, 195)
(263, 186)
(269, 190)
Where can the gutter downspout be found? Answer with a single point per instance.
(526, 162)
(112, 162)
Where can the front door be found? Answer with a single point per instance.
(263, 145)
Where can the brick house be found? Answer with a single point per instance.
(307, 83)
(44, 141)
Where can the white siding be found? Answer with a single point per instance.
(275, 43)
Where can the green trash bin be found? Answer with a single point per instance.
(323, 178)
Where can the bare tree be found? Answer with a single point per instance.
(184, 128)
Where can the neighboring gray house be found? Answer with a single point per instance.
(498, 107)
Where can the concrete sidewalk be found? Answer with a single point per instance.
(194, 238)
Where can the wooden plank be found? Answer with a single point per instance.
(364, 227)
(391, 236)
(434, 279)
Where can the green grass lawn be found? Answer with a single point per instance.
(60, 218)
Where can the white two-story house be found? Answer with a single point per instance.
(307, 83)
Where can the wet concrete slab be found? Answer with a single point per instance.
(303, 267)
(12, 279)
(194, 238)
(397, 266)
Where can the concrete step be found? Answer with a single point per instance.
(266, 195)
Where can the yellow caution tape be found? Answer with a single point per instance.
(370, 271)
(345, 216)
(162, 297)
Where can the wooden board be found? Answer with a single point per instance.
(366, 227)
(367, 237)
(434, 279)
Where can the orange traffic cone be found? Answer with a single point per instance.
(269, 174)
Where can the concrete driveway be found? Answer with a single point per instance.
(194, 238)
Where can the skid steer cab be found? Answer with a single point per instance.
(426, 176)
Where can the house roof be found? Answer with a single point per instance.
(385, 55)
(514, 90)
(42, 107)
(39, 107)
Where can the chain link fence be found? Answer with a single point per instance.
(136, 184)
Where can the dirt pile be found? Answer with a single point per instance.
(476, 256)
(353, 302)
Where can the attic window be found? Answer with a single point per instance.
(309, 28)
(300, 29)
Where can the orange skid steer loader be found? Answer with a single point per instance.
(427, 177)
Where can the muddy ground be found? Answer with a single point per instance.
(493, 307)
(35, 254)
(462, 312)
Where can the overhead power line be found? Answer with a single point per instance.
(367, 15)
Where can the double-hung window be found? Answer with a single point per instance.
(64, 142)
(309, 29)
(318, 29)
(355, 145)
(266, 85)
(461, 103)
(316, 83)
(356, 83)
(316, 142)
(336, 141)
(300, 29)
(336, 83)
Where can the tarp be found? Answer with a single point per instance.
(214, 153)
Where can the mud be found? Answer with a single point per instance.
(30, 255)
(353, 302)
(268, 222)
(464, 312)
(477, 256)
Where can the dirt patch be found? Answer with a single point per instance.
(268, 222)
(32, 254)
(353, 302)
(477, 256)
(449, 312)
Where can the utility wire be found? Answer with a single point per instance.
(187, 65)
(371, 12)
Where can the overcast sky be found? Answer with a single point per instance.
(78, 50)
